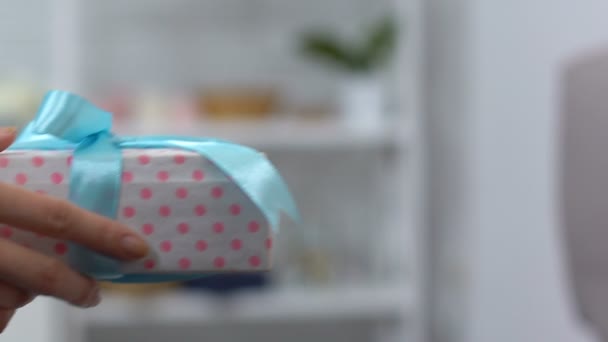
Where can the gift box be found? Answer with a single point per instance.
(203, 205)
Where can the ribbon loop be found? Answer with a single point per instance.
(70, 117)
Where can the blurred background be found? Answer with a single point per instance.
(419, 137)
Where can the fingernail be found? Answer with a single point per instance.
(94, 297)
(134, 246)
(8, 131)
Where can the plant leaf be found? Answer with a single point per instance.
(328, 49)
(379, 44)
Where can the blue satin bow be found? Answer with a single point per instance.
(68, 122)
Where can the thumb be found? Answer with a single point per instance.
(7, 136)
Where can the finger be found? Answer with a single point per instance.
(60, 219)
(5, 318)
(7, 136)
(12, 297)
(37, 273)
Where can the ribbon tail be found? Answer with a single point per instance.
(257, 177)
(251, 171)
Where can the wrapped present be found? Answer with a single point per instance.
(204, 205)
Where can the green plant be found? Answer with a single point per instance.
(364, 56)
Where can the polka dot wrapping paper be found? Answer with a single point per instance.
(195, 219)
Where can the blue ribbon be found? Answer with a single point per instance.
(68, 122)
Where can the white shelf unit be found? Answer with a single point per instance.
(275, 305)
(402, 300)
(388, 308)
(282, 133)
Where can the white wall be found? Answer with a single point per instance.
(448, 49)
(518, 289)
(23, 35)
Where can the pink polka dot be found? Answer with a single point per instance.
(218, 227)
(143, 159)
(149, 264)
(166, 246)
(181, 193)
(6, 232)
(56, 178)
(179, 159)
(201, 245)
(37, 161)
(183, 228)
(164, 210)
(253, 227)
(235, 209)
(61, 248)
(198, 175)
(145, 193)
(236, 244)
(268, 243)
(3, 162)
(42, 192)
(217, 192)
(69, 160)
(162, 176)
(21, 178)
(127, 177)
(147, 228)
(219, 262)
(200, 210)
(184, 263)
(128, 212)
(254, 261)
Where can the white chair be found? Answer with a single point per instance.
(584, 171)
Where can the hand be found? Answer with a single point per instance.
(25, 273)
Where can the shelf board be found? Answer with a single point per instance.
(269, 306)
(278, 133)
